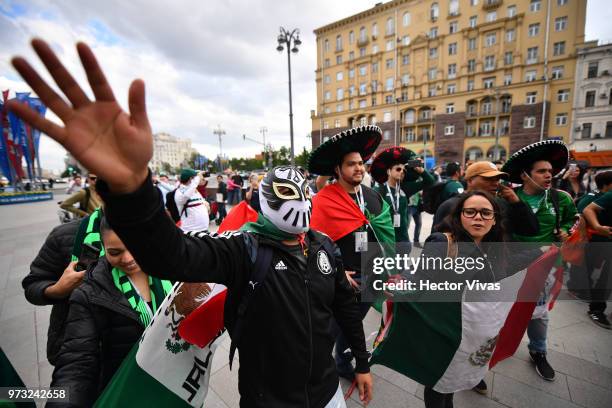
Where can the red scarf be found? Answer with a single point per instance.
(335, 213)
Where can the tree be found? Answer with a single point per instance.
(167, 168)
(302, 158)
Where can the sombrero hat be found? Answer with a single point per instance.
(553, 151)
(388, 158)
(362, 139)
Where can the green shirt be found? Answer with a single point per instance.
(451, 189)
(605, 202)
(586, 200)
(389, 195)
(542, 206)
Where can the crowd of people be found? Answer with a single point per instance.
(301, 264)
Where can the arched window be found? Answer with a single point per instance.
(409, 116)
(501, 155)
(406, 19)
(434, 11)
(351, 37)
(338, 42)
(326, 45)
(375, 29)
(473, 153)
(390, 27)
(453, 7)
(363, 34)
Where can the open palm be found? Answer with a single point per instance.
(115, 145)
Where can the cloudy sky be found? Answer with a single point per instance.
(205, 63)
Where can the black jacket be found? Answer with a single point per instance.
(100, 331)
(285, 349)
(46, 269)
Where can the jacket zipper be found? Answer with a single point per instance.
(307, 285)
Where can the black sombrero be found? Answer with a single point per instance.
(553, 151)
(362, 139)
(387, 158)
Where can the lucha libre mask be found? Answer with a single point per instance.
(284, 198)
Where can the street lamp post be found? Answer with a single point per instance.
(290, 39)
(220, 132)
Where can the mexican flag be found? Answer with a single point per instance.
(450, 346)
(170, 366)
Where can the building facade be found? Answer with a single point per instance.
(592, 111)
(169, 149)
(457, 79)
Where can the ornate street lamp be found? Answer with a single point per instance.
(290, 39)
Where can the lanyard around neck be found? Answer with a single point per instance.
(360, 201)
(394, 202)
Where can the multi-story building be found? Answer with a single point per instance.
(169, 149)
(591, 129)
(458, 79)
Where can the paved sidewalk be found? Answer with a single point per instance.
(579, 351)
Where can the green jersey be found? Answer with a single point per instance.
(542, 206)
(451, 189)
(397, 200)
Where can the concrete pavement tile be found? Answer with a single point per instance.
(13, 285)
(585, 335)
(15, 305)
(525, 373)
(225, 383)
(589, 395)
(395, 378)
(516, 394)
(387, 395)
(605, 360)
(582, 369)
(469, 399)
(213, 401)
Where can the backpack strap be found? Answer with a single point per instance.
(554, 197)
(453, 249)
(261, 267)
(84, 203)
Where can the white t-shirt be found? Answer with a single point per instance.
(193, 208)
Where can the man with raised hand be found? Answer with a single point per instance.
(285, 361)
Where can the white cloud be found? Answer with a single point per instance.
(204, 63)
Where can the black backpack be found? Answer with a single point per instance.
(432, 197)
(171, 206)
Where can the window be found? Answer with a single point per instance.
(452, 48)
(374, 85)
(490, 39)
(561, 119)
(610, 96)
(387, 117)
(326, 64)
(406, 19)
(390, 27)
(431, 91)
(470, 85)
(352, 91)
(351, 106)
(529, 122)
(374, 48)
(557, 72)
(339, 108)
(351, 55)
(531, 98)
(326, 79)
(530, 76)
(433, 32)
(590, 99)
(560, 23)
(362, 89)
(410, 135)
(327, 110)
(339, 76)
(389, 63)
(451, 88)
(450, 108)
(471, 65)
(485, 129)
(338, 59)
(608, 130)
(453, 7)
(434, 12)
(351, 37)
(389, 45)
(508, 79)
(405, 79)
(532, 55)
(389, 84)
(488, 83)
(387, 135)
(511, 11)
(374, 67)
(362, 104)
(431, 75)
(489, 63)
(351, 72)
(453, 27)
(561, 2)
(325, 125)
(362, 51)
(337, 123)
(449, 130)
(452, 70)
(339, 94)
(559, 48)
(535, 6)
(563, 95)
(586, 131)
(405, 59)
(491, 16)
(533, 30)
(388, 99)
(473, 21)
(433, 52)
(326, 45)
(471, 44)
(363, 70)
(338, 43)
(510, 35)
(508, 58)
(487, 108)
(593, 68)
(363, 35)
(473, 3)
(406, 40)
(375, 30)
(327, 95)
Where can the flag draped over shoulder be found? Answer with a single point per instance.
(450, 346)
(237, 217)
(170, 365)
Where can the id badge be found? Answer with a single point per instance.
(361, 241)
(219, 197)
(396, 220)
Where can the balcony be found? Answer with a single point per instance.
(486, 132)
(532, 61)
(361, 42)
(470, 132)
(491, 4)
(339, 49)
(426, 119)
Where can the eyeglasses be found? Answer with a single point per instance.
(398, 168)
(485, 213)
(93, 178)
